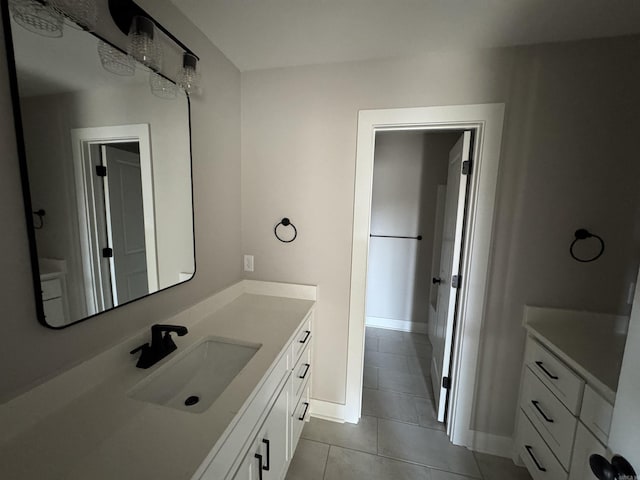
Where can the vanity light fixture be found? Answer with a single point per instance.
(161, 87)
(81, 13)
(115, 61)
(188, 76)
(47, 18)
(143, 45)
(37, 17)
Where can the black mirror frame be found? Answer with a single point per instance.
(24, 172)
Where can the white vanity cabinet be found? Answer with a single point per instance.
(261, 445)
(586, 445)
(54, 299)
(562, 419)
(260, 411)
(268, 455)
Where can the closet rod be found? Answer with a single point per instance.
(419, 237)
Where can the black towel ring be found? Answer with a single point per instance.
(285, 222)
(583, 234)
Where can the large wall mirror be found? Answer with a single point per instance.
(106, 160)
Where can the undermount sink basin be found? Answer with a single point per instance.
(195, 380)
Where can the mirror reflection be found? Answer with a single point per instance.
(109, 172)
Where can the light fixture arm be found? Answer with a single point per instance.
(123, 11)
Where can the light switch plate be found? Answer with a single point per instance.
(248, 263)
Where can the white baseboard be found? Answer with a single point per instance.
(334, 412)
(492, 444)
(391, 324)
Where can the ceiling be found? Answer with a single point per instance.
(258, 34)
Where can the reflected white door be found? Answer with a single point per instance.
(449, 268)
(125, 223)
(625, 426)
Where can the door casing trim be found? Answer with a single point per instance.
(486, 120)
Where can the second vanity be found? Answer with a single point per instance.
(569, 381)
(91, 422)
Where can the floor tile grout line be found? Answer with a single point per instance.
(475, 458)
(399, 460)
(430, 467)
(339, 446)
(400, 392)
(377, 435)
(326, 463)
(378, 454)
(408, 423)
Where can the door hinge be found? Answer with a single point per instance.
(101, 170)
(466, 167)
(107, 252)
(446, 383)
(456, 280)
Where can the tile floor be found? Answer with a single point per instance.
(398, 437)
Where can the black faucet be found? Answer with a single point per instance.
(160, 347)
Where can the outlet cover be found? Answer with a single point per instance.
(248, 263)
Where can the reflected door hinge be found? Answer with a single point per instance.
(466, 167)
(455, 281)
(101, 170)
(446, 383)
(107, 252)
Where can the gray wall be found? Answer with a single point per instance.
(408, 167)
(568, 161)
(31, 353)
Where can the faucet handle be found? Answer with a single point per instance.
(139, 349)
(168, 344)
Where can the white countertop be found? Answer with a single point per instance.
(105, 434)
(590, 343)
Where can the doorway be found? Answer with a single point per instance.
(485, 122)
(114, 189)
(420, 182)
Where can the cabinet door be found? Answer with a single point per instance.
(273, 440)
(586, 445)
(247, 467)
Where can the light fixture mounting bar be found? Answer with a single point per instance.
(123, 11)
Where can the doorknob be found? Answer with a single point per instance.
(436, 280)
(617, 469)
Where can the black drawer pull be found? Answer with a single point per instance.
(259, 457)
(266, 466)
(537, 405)
(306, 336)
(549, 374)
(535, 460)
(306, 370)
(304, 414)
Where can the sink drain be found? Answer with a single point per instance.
(192, 400)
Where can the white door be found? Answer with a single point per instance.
(625, 425)
(449, 268)
(125, 223)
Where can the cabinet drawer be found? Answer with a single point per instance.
(554, 422)
(51, 289)
(586, 445)
(560, 379)
(302, 370)
(302, 338)
(596, 414)
(535, 454)
(299, 416)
